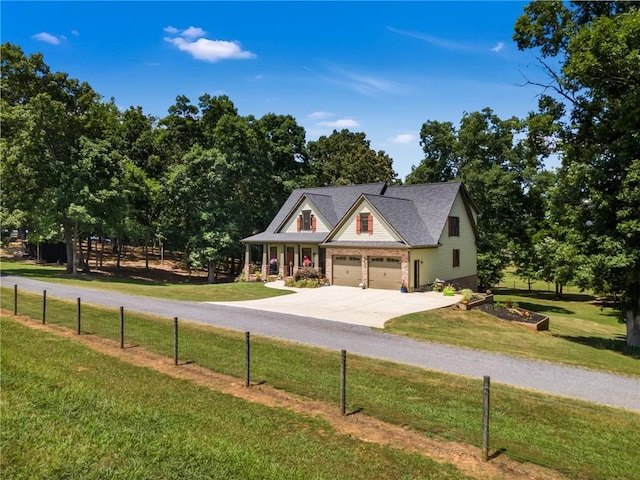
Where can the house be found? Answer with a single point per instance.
(376, 235)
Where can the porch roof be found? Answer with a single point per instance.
(296, 237)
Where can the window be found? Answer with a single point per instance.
(306, 220)
(454, 226)
(364, 222)
(306, 260)
(456, 257)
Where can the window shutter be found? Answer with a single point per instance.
(313, 223)
(358, 224)
(370, 224)
(299, 223)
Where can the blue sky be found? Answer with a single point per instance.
(383, 68)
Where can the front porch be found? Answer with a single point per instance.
(281, 260)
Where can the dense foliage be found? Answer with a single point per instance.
(203, 177)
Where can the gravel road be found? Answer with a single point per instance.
(597, 387)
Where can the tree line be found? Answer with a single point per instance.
(203, 177)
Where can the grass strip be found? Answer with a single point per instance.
(223, 292)
(69, 412)
(570, 341)
(569, 436)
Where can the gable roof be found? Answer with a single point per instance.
(417, 213)
(332, 203)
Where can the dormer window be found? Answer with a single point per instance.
(364, 223)
(306, 220)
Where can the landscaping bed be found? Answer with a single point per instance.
(515, 314)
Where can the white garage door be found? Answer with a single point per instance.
(347, 270)
(385, 273)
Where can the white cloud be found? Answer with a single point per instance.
(319, 115)
(341, 123)
(193, 32)
(203, 48)
(211, 50)
(75, 32)
(403, 138)
(47, 37)
(499, 46)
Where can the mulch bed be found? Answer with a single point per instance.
(510, 315)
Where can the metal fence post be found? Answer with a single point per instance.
(343, 383)
(121, 327)
(79, 328)
(247, 359)
(486, 396)
(175, 340)
(44, 307)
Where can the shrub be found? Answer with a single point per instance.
(240, 278)
(302, 283)
(467, 294)
(306, 273)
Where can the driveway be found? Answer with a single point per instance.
(368, 307)
(561, 380)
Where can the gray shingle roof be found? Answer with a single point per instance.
(433, 202)
(418, 213)
(402, 214)
(297, 237)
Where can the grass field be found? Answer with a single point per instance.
(579, 439)
(69, 412)
(223, 292)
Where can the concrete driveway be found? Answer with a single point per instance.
(369, 307)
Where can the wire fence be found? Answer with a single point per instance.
(575, 438)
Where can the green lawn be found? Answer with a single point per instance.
(579, 439)
(580, 333)
(69, 412)
(224, 292)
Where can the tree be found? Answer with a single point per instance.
(595, 48)
(282, 142)
(345, 158)
(197, 216)
(47, 118)
(439, 144)
(485, 154)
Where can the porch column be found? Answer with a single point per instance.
(316, 260)
(265, 262)
(282, 268)
(296, 259)
(247, 261)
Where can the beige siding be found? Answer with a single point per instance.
(466, 243)
(438, 262)
(291, 225)
(381, 230)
